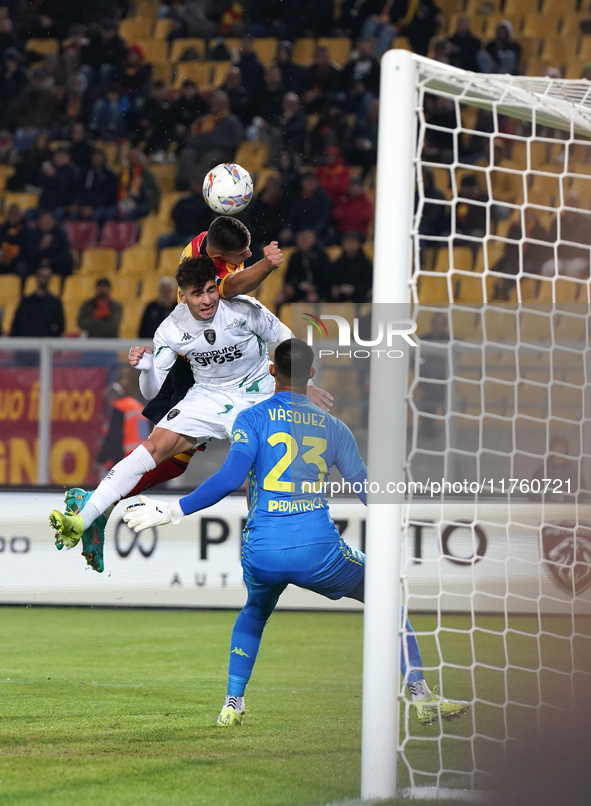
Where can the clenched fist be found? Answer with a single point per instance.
(273, 254)
(136, 353)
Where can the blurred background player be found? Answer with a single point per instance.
(289, 537)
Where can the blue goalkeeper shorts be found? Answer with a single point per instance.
(331, 569)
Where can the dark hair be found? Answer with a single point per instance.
(293, 359)
(227, 234)
(104, 281)
(195, 272)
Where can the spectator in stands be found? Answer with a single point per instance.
(250, 67)
(291, 129)
(13, 80)
(566, 478)
(50, 242)
(307, 278)
(364, 148)
(96, 194)
(123, 430)
(136, 72)
(503, 54)
(58, 180)
(81, 149)
(471, 219)
(108, 117)
(363, 67)
(36, 106)
(310, 210)
(201, 18)
(575, 227)
(290, 176)
(9, 39)
(418, 22)
(434, 367)
(139, 194)
(102, 59)
(74, 105)
(270, 99)
(214, 139)
(14, 243)
(314, 17)
(322, 81)
(353, 210)
(533, 255)
(334, 175)
(150, 120)
(439, 145)
(28, 164)
(186, 109)
(268, 213)
(293, 74)
(238, 95)
(332, 129)
(100, 316)
(272, 18)
(435, 217)
(156, 312)
(351, 273)
(465, 46)
(40, 315)
(191, 215)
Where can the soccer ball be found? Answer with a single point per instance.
(227, 188)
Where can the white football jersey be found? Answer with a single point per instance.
(226, 352)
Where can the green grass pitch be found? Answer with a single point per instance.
(118, 707)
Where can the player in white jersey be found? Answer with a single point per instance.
(225, 342)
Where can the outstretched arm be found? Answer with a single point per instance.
(243, 282)
(230, 476)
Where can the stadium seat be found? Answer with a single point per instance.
(156, 50)
(77, 289)
(218, 73)
(10, 295)
(162, 72)
(55, 285)
(24, 200)
(98, 261)
(402, 43)
(433, 289)
(199, 72)
(149, 290)
(339, 47)
(119, 235)
(145, 8)
(152, 227)
(265, 48)
(130, 322)
(127, 289)
(165, 176)
(134, 28)
(82, 234)
(179, 46)
(6, 171)
(468, 289)
(462, 258)
(303, 50)
(169, 259)
(252, 155)
(136, 259)
(162, 28)
(167, 202)
(44, 46)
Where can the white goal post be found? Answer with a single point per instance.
(508, 276)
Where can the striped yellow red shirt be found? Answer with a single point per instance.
(198, 246)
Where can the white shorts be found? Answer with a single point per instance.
(206, 413)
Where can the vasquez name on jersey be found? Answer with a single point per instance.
(222, 351)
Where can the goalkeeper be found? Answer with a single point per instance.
(286, 445)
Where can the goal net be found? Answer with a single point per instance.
(496, 565)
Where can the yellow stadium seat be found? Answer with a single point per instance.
(199, 72)
(149, 289)
(44, 46)
(6, 171)
(138, 260)
(167, 202)
(24, 200)
(219, 71)
(564, 291)
(99, 260)
(265, 48)
(462, 258)
(55, 285)
(162, 28)
(179, 46)
(77, 289)
(433, 289)
(152, 227)
(303, 50)
(162, 72)
(252, 155)
(339, 47)
(126, 288)
(165, 176)
(402, 43)
(169, 260)
(134, 28)
(145, 8)
(10, 296)
(539, 25)
(130, 322)
(468, 289)
(260, 177)
(156, 50)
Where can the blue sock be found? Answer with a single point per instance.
(413, 653)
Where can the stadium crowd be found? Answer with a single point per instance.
(112, 113)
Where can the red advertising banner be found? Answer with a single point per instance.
(77, 407)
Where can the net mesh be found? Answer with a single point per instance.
(497, 569)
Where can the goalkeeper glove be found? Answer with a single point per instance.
(148, 513)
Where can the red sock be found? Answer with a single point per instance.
(165, 471)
